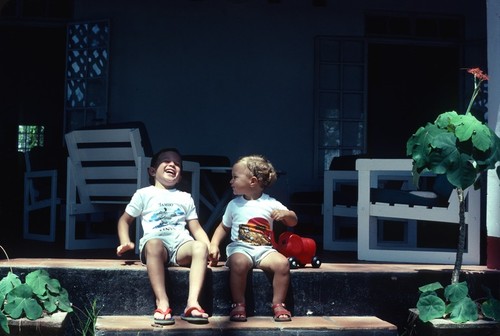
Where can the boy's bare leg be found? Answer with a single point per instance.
(196, 254)
(156, 257)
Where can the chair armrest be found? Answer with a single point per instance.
(384, 165)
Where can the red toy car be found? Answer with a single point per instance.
(299, 250)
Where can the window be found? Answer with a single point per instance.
(29, 136)
(86, 75)
(340, 99)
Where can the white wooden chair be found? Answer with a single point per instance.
(36, 199)
(104, 168)
(334, 212)
(370, 246)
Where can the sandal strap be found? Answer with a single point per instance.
(279, 305)
(238, 309)
(280, 309)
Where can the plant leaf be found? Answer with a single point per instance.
(491, 309)
(20, 301)
(63, 302)
(465, 126)
(456, 292)
(38, 280)
(50, 304)
(463, 311)
(430, 307)
(464, 174)
(430, 287)
(4, 323)
(8, 283)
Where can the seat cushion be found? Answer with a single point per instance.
(406, 197)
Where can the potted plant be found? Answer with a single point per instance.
(38, 296)
(462, 147)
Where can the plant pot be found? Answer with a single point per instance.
(446, 327)
(47, 325)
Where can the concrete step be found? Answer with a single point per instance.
(257, 325)
(333, 291)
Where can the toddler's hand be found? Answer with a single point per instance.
(279, 215)
(214, 255)
(120, 250)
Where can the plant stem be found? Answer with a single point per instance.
(7, 256)
(461, 238)
(474, 95)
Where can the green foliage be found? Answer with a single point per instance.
(39, 294)
(454, 304)
(459, 146)
(491, 309)
(88, 319)
(4, 325)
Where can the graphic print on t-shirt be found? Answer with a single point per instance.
(168, 214)
(257, 231)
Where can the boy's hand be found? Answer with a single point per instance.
(120, 250)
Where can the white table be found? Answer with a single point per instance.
(216, 203)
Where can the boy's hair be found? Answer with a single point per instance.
(156, 156)
(261, 168)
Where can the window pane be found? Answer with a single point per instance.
(330, 133)
(80, 118)
(96, 93)
(352, 134)
(329, 77)
(352, 105)
(29, 136)
(353, 77)
(75, 93)
(329, 105)
(325, 158)
(329, 51)
(352, 52)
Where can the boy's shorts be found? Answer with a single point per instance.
(255, 253)
(171, 243)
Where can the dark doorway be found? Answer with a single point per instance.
(408, 86)
(32, 65)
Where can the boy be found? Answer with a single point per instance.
(169, 222)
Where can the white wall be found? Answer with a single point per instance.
(234, 77)
(493, 189)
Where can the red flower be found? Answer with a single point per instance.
(478, 73)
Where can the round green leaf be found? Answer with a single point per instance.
(4, 323)
(463, 311)
(430, 307)
(430, 287)
(491, 309)
(456, 292)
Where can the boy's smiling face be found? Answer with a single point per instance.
(168, 172)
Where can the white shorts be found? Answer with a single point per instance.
(171, 243)
(255, 253)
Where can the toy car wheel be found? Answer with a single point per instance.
(293, 263)
(316, 263)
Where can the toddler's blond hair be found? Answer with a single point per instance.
(261, 168)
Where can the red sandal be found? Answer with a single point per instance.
(164, 320)
(238, 313)
(281, 314)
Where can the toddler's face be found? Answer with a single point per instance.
(241, 177)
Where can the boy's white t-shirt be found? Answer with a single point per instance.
(163, 211)
(250, 220)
